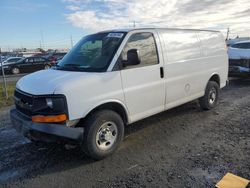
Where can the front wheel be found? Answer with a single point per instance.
(104, 131)
(210, 99)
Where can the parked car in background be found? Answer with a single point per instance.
(28, 65)
(3, 58)
(54, 57)
(239, 59)
(11, 60)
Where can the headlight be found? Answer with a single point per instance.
(49, 105)
(49, 109)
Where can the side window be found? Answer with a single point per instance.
(248, 45)
(239, 45)
(12, 60)
(38, 59)
(245, 45)
(145, 44)
(29, 60)
(234, 46)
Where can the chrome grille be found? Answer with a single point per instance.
(23, 102)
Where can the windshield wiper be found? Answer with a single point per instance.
(70, 67)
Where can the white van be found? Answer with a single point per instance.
(113, 78)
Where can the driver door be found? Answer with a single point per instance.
(26, 65)
(143, 84)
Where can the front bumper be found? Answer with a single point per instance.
(48, 131)
(239, 71)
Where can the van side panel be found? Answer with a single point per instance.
(184, 71)
(187, 68)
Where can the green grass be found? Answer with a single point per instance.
(10, 88)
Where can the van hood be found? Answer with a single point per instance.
(48, 81)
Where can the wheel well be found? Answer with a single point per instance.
(116, 107)
(215, 78)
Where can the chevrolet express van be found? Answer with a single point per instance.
(113, 78)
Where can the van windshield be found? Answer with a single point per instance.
(93, 53)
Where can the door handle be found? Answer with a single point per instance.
(161, 72)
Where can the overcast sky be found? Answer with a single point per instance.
(214, 14)
(32, 22)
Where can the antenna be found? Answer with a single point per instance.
(42, 39)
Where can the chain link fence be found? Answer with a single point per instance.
(4, 78)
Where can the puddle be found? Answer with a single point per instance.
(11, 174)
(9, 138)
(209, 174)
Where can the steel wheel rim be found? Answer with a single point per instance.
(106, 135)
(212, 96)
(15, 70)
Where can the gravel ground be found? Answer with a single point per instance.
(183, 147)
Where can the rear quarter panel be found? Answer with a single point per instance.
(215, 54)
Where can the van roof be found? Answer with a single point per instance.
(151, 28)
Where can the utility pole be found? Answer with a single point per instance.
(71, 40)
(42, 39)
(134, 24)
(4, 79)
(228, 31)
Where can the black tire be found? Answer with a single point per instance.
(210, 99)
(15, 70)
(93, 131)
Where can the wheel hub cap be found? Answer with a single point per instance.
(106, 135)
(212, 96)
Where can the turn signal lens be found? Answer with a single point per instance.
(49, 119)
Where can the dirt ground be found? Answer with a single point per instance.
(183, 147)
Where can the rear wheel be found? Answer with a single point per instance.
(15, 70)
(210, 99)
(104, 131)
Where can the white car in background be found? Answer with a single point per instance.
(239, 50)
(239, 59)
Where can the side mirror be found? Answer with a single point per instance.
(133, 58)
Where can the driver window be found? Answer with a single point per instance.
(145, 44)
